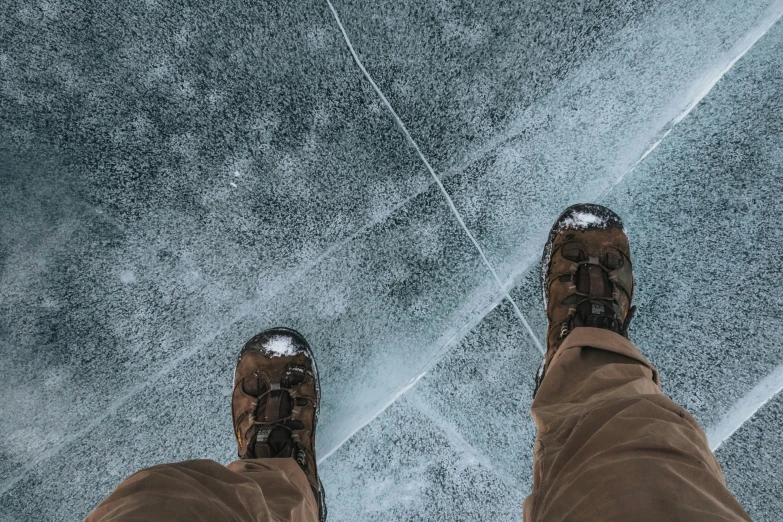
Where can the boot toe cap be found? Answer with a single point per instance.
(278, 342)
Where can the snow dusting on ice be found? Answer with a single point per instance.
(583, 220)
(279, 346)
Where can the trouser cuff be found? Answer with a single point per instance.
(602, 339)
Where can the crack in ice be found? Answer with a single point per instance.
(435, 178)
(742, 47)
(746, 407)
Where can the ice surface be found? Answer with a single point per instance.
(526, 125)
(482, 391)
(528, 295)
(402, 466)
(751, 461)
(173, 179)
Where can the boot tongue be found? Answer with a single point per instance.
(274, 406)
(598, 312)
(272, 442)
(593, 281)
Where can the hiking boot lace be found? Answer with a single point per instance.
(565, 328)
(601, 307)
(301, 457)
(299, 453)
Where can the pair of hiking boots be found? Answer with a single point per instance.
(587, 281)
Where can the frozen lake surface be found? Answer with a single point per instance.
(175, 178)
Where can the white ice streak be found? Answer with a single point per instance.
(464, 446)
(746, 407)
(411, 383)
(279, 346)
(738, 51)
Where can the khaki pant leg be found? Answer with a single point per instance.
(611, 446)
(257, 490)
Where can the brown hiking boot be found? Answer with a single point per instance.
(276, 401)
(586, 276)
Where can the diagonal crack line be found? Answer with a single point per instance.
(462, 445)
(456, 337)
(459, 334)
(436, 179)
(740, 49)
(746, 407)
(242, 312)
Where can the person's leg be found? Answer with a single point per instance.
(258, 490)
(275, 407)
(611, 446)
